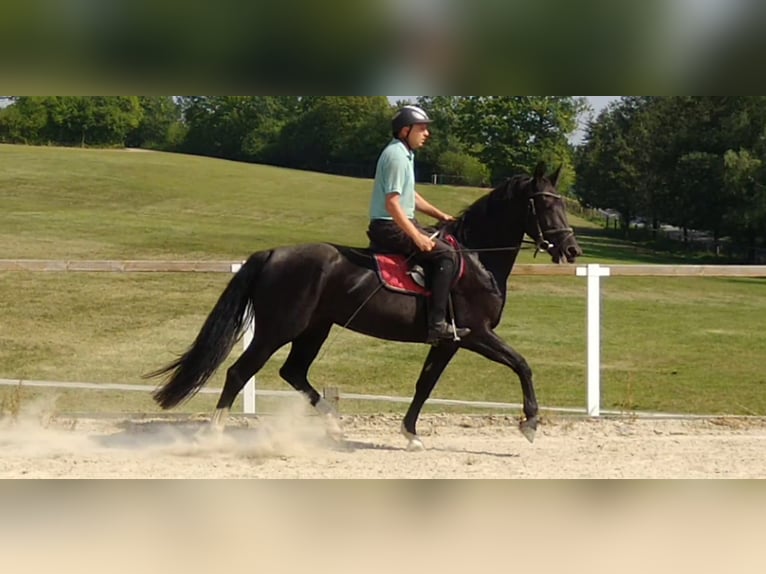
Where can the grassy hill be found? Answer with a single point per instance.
(687, 345)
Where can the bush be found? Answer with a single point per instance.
(464, 167)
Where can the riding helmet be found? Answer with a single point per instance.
(408, 116)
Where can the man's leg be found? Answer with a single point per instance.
(442, 274)
(441, 261)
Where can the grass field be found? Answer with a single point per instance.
(670, 344)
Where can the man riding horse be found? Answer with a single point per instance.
(295, 294)
(393, 227)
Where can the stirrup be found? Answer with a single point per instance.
(418, 275)
(443, 331)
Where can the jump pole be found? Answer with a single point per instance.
(594, 273)
(248, 394)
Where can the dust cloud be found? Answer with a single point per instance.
(294, 443)
(35, 440)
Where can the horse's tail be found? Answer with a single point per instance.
(222, 329)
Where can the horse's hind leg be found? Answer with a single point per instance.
(249, 363)
(305, 349)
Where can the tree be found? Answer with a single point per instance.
(691, 161)
(24, 120)
(608, 169)
(272, 114)
(745, 218)
(70, 120)
(342, 134)
(236, 127)
(160, 115)
(694, 137)
(217, 125)
(444, 142)
(511, 134)
(468, 169)
(106, 120)
(91, 120)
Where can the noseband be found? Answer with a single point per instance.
(543, 240)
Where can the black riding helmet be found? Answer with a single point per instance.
(408, 116)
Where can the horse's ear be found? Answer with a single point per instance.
(540, 171)
(555, 176)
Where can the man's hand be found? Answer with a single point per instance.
(424, 242)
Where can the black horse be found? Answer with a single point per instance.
(296, 294)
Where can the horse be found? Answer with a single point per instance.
(295, 294)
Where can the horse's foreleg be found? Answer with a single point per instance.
(492, 347)
(218, 422)
(214, 430)
(437, 360)
(331, 419)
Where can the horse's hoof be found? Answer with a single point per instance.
(211, 432)
(333, 428)
(331, 420)
(528, 428)
(414, 444)
(218, 421)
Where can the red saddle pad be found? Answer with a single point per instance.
(393, 269)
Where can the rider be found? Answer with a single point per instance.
(393, 226)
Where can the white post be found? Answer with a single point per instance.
(594, 273)
(248, 395)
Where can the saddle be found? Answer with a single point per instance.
(403, 276)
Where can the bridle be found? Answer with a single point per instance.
(541, 242)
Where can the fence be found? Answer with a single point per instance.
(593, 273)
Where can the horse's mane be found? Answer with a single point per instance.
(475, 215)
(474, 219)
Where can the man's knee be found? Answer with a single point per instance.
(445, 255)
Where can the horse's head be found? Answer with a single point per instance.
(521, 204)
(547, 221)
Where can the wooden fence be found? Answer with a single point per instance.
(149, 266)
(593, 273)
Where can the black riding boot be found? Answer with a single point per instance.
(438, 328)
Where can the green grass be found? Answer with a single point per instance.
(670, 344)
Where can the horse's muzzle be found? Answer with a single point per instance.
(568, 250)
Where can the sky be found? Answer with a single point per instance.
(599, 102)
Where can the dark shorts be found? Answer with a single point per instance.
(387, 237)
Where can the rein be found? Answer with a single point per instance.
(491, 249)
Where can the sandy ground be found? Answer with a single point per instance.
(294, 445)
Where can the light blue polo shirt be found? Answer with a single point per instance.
(395, 173)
